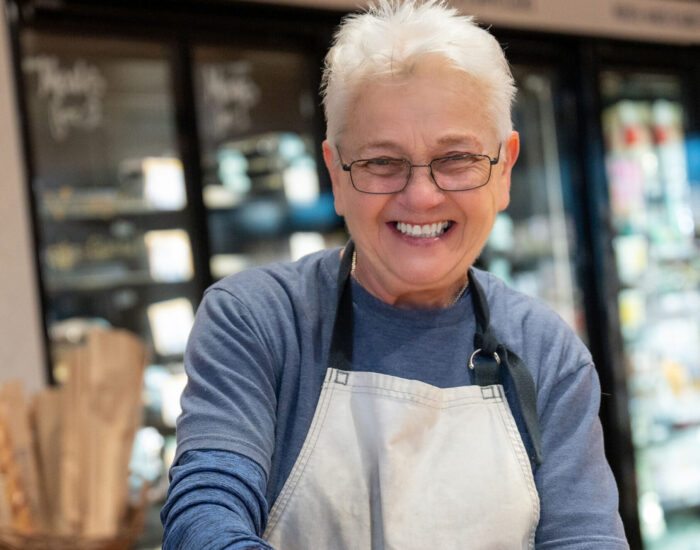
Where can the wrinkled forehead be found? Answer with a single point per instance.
(433, 102)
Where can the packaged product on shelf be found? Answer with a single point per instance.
(170, 322)
(164, 184)
(302, 243)
(156, 183)
(169, 255)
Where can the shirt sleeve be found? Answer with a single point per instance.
(230, 400)
(216, 500)
(578, 494)
(225, 434)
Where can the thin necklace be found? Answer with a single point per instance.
(461, 291)
(353, 269)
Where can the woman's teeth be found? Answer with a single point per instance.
(423, 231)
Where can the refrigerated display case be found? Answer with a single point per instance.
(159, 161)
(115, 231)
(657, 255)
(111, 203)
(532, 245)
(260, 179)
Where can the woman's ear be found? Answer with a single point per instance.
(504, 168)
(334, 169)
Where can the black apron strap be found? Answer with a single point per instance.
(487, 369)
(484, 339)
(527, 397)
(340, 355)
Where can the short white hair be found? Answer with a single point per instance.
(393, 36)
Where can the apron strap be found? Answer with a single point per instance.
(487, 370)
(527, 397)
(484, 339)
(340, 356)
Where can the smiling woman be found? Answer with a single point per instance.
(410, 117)
(389, 395)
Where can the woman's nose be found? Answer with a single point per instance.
(422, 192)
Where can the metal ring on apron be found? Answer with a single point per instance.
(471, 359)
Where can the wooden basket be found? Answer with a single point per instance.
(124, 540)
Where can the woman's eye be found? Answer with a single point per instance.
(382, 162)
(461, 160)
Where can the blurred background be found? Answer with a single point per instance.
(150, 148)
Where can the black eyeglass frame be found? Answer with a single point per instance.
(492, 162)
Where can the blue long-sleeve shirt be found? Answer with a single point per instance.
(216, 501)
(256, 360)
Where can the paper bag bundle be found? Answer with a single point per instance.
(18, 464)
(64, 466)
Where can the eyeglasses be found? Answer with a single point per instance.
(386, 175)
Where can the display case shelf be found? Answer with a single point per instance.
(96, 283)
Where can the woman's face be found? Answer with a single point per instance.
(435, 112)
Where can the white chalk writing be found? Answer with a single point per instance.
(229, 94)
(74, 94)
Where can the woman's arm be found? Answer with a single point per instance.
(579, 499)
(216, 500)
(225, 432)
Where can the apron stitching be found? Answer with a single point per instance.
(518, 449)
(378, 381)
(299, 466)
(430, 389)
(427, 401)
(302, 460)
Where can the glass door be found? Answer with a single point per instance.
(260, 157)
(655, 242)
(113, 215)
(532, 245)
(109, 190)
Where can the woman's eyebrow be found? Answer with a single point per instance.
(374, 147)
(463, 140)
(467, 141)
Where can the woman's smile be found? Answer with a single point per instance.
(423, 230)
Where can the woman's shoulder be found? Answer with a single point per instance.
(505, 301)
(531, 328)
(271, 308)
(306, 279)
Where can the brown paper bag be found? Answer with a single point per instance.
(18, 460)
(115, 363)
(46, 421)
(5, 510)
(73, 462)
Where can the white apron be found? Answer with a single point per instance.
(396, 464)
